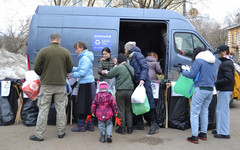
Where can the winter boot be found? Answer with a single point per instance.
(154, 127)
(129, 130)
(109, 139)
(79, 129)
(90, 126)
(139, 126)
(120, 130)
(102, 138)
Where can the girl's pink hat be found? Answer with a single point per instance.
(103, 87)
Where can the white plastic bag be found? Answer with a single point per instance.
(139, 94)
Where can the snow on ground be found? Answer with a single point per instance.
(12, 65)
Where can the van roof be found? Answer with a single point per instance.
(107, 11)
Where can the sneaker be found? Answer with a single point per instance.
(79, 129)
(109, 139)
(222, 136)
(129, 130)
(202, 136)
(61, 136)
(193, 139)
(120, 130)
(214, 132)
(34, 138)
(90, 127)
(154, 127)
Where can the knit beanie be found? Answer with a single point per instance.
(103, 87)
(121, 58)
(129, 45)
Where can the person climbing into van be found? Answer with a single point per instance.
(104, 108)
(124, 87)
(105, 64)
(52, 64)
(203, 71)
(154, 66)
(86, 87)
(225, 86)
(139, 63)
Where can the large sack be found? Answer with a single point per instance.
(29, 113)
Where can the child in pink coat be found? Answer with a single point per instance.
(104, 107)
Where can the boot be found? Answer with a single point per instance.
(79, 129)
(139, 126)
(120, 130)
(129, 130)
(193, 139)
(90, 127)
(109, 139)
(102, 138)
(154, 127)
(202, 136)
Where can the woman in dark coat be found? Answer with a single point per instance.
(139, 63)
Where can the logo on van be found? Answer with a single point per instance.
(102, 40)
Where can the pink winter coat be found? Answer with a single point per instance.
(104, 106)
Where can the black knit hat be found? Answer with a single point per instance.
(221, 49)
(121, 58)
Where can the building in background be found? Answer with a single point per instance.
(234, 40)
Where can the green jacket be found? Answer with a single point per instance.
(105, 65)
(52, 64)
(123, 77)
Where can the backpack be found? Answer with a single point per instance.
(236, 89)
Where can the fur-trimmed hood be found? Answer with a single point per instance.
(207, 56)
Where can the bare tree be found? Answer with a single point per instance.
(232, 18)
(211, 30)
(15, 38)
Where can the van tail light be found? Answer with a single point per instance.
(27, 63)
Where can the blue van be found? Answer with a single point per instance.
(166, 32)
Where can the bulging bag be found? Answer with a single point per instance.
(139, 94)
(141, 108)
(32, 85)
(184, 86)
(31, 88)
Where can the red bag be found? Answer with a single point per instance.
(31, 88)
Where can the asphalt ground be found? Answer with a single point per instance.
(16, 137)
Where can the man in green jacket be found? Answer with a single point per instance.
(52, 63)
(124, 89)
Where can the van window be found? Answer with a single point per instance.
(186, 42)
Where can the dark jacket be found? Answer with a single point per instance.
(139, 63)
(225, 77)
(104, 106)
(154, 67)
(52, 64)
(105, 65)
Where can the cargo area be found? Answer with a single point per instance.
(150, 36)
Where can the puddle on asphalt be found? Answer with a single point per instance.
(148, 140)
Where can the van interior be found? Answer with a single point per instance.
(150, 36)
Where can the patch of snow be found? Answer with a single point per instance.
(12, 65)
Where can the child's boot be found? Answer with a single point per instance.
(109, 138)
(102, 138)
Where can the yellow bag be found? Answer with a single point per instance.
(236, 89)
